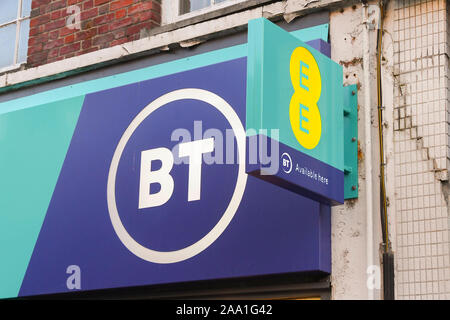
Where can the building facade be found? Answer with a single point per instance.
(55, 46)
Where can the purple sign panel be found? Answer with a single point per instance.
(153, 190)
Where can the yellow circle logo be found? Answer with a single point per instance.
(303, 110)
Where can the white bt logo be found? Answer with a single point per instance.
(194, 151)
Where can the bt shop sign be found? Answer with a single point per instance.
(146, 182)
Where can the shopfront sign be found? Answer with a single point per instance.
(294, 97)
(145, 181)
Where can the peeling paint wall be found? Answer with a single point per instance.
(349, 262)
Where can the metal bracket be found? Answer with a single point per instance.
(350, 105)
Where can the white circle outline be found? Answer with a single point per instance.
(164, 257)
(290, 160)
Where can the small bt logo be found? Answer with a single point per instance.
(286, 162)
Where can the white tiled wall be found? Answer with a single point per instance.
(422, 151)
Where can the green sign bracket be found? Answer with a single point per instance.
(350, 106)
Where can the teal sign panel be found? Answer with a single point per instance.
(294, 98)
(351, 141)
(33, 144)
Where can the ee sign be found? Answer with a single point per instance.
(304, 112)
(298, 91)
(146, 180)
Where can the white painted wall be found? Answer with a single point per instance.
(349, 241)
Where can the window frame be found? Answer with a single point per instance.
(18, 21)
(171, 10)
(213, 3)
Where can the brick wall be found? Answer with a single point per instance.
(103, 23)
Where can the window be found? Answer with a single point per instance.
(177, 10)
(14, 31)
(193, 5)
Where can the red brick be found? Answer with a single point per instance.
(104, 19)
(41, 38)
(54, 44)
(87, 34)
(72, 2)
(133, 37)
(134, 29)
(65, 31)
(119, 34)
(66, 13)
(118, 41)
(103, 9)
(46, 8)
(34, 31)
(156, 17)
(32, 41)
(121, 13)
(86, 44)
(35, 13)
(53, 53)
(89, 14)
(143, 16)
(59, 4)
(85, 25)
(35, 48)
(37, 3)
(55, 25)
(37, 59)
(39, 20)
(156, 6)
(103, 29)
(88, 5)
(100, 2)
(70, 48)
(107, 38)
(55, 15)
(141, 7)
(121, 23)
(53, 35)
(120, 4)
(69, 38)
